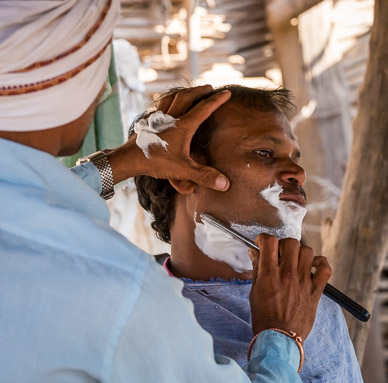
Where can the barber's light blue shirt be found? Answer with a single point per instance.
(79, 303)
(222, 308)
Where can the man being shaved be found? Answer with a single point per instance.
(78, 302)
(250, 140)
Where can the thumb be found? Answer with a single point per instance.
(205, 108)
(254, 255)
(208, 177)
(322, 273)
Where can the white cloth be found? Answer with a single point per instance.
(34, 31)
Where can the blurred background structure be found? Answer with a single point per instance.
(318, 49)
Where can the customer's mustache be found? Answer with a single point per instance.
(294, 189)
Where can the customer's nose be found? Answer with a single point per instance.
(292, 173)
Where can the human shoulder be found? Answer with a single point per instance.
(329, 323)
(330, 355)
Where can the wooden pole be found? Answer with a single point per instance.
(357, 240)
(193, 38)
(280, 12)
(313, 71)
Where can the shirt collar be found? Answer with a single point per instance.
(166, 266)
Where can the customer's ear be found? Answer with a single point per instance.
(183, 187)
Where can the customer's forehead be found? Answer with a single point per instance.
(234, 120)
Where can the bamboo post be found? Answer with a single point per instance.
(357, 240)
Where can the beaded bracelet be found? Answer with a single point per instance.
(290, 334)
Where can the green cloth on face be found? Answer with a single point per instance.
(106, 129)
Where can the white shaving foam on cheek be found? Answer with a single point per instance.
(219, 246)
(290, 213)
(252, 231)
(222, 247)
(147, 131)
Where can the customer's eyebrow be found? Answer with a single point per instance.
(278, 141)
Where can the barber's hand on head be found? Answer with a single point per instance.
(175, 162)
(283, 293)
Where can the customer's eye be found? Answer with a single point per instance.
(264, 153)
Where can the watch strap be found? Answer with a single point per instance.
(101, 161)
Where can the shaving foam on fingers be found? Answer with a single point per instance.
(147, 131)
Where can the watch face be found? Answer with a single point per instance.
(108, 195)
(96, 156)
(82, 160)
(91, 157)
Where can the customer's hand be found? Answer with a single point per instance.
(283, 293)
(175, 162)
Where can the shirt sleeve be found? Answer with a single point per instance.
(162, 342)
(275, 357)
(90, 174)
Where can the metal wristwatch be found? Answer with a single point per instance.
(101, 161)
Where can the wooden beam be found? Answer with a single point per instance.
(280, 12)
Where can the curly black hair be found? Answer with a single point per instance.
(157, 196)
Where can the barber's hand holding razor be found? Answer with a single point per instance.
(283, 293)
(175, 162)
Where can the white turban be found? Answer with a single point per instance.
(61, 47)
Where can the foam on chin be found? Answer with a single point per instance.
(222, 247)
(147, 131)
(290, 213)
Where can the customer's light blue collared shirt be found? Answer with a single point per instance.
(79, 303)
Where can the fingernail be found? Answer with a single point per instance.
(225, 91)
(221, 182)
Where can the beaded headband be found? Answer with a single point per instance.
(28, 88)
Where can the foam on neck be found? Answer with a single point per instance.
(222, 247)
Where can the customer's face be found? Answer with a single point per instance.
(254, 149)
